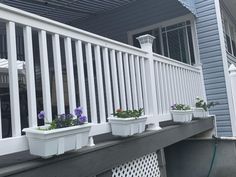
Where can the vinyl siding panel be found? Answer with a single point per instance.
(116, 23)
(211, 58)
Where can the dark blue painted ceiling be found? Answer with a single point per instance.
(67, 10)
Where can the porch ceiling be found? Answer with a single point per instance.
(231, 6)
(66, 11)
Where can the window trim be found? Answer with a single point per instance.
(230, 23)
(188, 17)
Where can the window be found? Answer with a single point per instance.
(174, 41)
(229, 28)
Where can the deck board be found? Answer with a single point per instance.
(108, 152)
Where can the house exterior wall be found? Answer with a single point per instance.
(211, 56)
(192, 158)
(116, 23)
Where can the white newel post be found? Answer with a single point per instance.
(203, 91)
(232, 76)
(146, 42)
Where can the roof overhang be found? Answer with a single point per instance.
(230, 5)
(190, 5)
(66, 11)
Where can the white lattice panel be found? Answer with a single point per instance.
(146, 166)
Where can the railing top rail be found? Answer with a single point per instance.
(35, 21)
(176, 63)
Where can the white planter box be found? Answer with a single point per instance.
(182, 115)
(200, 113)
(127, 126)
(57, 141)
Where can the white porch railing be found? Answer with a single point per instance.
(118, 76)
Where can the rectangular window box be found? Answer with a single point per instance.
(200, 113)
(46, 143)
(182, 116)
(127, 126)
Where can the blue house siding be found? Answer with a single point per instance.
(211, 59)
(116, 23)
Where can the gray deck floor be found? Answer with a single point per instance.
(109, 152)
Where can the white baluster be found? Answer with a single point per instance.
(100, 84)
(162, 88)
(115, 80)
(107, 81)
(157, 77)
(133, 81)
(13, 79)
(180, 83)
(139, 84)
(144, 86)
(70, 74)
(168, 89)
(81, 78)
(58, 74)
(29, 62)
(45, 75)
(127, 81)
(92, 95)
(121, 81)
(172, 86)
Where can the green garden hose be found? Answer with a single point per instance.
(213, 156)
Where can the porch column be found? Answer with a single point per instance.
(232, 76)
(146, 42)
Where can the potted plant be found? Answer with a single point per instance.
(201, 108)
(181, 113)
(127, 123)
(65, 133)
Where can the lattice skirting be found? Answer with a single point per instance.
(146, 166)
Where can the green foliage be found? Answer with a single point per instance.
(129, 113)
(200, 103)
(180, 107)
(62, 121)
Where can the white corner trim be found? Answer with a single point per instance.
(225, 65)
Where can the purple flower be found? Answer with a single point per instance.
(41, 115)
(62, 116)
(82, 119)
(69, 116)
(173, 107)
(78, 111)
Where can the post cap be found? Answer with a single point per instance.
(232, 68)
(147, 38)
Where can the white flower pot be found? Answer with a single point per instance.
(127, 126)
(46, 143)
(200, 113)
(182, 115)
